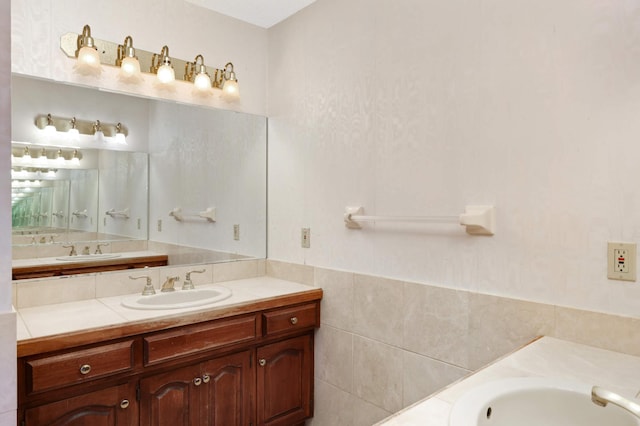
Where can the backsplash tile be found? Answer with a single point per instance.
(302, 274)
(436, 323)
(375, 308)
(337, 297)
(118, 283)
(55, 290)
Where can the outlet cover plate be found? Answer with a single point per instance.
(621, 252)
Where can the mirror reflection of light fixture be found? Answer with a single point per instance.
(98, 134)
(50, 128)
(43, 156)
(88, 58)
(230, 87)
(74, 133)
(161, 66)
(75, 160)
(26, 156)
(121, 139)
(128, 62)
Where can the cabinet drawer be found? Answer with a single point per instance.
(80, 365)
(290, 319)
(198, 338)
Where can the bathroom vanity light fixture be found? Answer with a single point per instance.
(87, 54)
(49, 158)
(161, 64)
(98, 134)
(196, 72)
(74, 127)
(162, 68)
(128, 61)
(121, 139)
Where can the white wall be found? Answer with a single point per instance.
(420, 108)
(187, 29)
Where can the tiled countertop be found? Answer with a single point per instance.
(40, 261)
(107, 315)
(545, 357)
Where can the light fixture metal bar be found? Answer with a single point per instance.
(108, 52)
(85, 127)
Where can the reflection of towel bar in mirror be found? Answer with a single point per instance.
(80, 213)
(118, 213)
(209, 214)
(478, 220)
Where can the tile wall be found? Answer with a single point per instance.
(385, 344)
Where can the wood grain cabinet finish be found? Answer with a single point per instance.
(285, 381)
(55, 371)
(112, 406)
(249, 369)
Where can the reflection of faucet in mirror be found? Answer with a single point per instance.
(86, 250)
(99, 247)
(188, 284)
(73, 250)
(59, 215)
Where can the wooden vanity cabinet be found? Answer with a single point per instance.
(251, 369)
(217, 392)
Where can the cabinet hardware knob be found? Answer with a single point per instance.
(294, 320)
(262, 362)
(124, 403)
(85, 369)
(197, 381)
(206, 378)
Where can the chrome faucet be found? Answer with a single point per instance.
(602, 397)
(188, 284)
(73, 250)
(148, 288)
(86, 250)
(169, 283)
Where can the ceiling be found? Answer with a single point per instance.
(264, 13)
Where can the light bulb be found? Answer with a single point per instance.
(50, 129)
(166, 74)
(129, 64)
(88, 58)
(98, 134)
(121, 139)
(230, 88)
(202, 82)
(75, 160)
(60, 156)
(130, 68)
(73, 133)
(27, 155)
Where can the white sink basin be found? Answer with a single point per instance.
(83, 257)
(178, 299)
(528, 401)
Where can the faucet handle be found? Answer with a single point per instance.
(73, 249)
(148, 288)
(99, 247)
(188, 284)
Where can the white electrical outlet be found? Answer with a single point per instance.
(621, 261)
(305, 238)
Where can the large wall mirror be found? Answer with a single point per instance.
(177, 158)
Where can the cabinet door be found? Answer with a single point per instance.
(171, 399)
(228, 392)
(285, 381)
(108, 407)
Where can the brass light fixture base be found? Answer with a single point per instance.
(108, 52)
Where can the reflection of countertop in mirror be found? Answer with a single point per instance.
(545, 357)
(57, 326)
(55, 266)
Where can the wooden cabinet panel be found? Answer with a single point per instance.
(108, 407)
(170, 399)
(285, 381)
(199, 337)
(290, 319)
(229, 391)
(79, 365)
